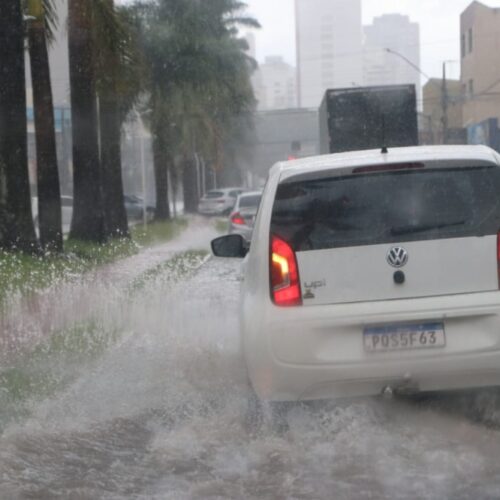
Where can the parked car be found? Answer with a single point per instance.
(219, 201)
(134, 206)
(372, 272)
(66, 210)
(241, 220)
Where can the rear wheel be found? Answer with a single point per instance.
(272, 415)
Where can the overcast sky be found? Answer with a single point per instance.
(439, 27)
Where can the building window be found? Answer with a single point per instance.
(463, 46)
(471, 45)
(471, 88)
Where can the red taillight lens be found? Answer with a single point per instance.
(285, 284)
(237, 219)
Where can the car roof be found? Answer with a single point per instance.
(373, 157)
(250, 193)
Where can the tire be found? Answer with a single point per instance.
(267, 415)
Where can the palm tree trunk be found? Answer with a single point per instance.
(190, 186)
(160, 159)
(110, 134)
(114, 202)
(49, 193)
(16, 221)
(88, 208)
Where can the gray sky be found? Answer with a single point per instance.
(439, 27)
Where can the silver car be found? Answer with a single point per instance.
(242, 219)
(219, 201)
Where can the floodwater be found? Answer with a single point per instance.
(147, 398)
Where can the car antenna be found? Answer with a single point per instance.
(384, 146)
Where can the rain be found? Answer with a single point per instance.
(135, 133)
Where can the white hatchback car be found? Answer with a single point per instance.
(219, 201)
(242, 218)
(370, 272)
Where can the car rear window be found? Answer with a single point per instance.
(214, 194)
(249, 201)
(387, 207)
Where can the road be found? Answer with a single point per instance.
(145, 396)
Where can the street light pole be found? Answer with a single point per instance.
(443, 88)
(414, 66)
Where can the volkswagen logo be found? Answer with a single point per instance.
(397, 257)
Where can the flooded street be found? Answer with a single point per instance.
(145, 396)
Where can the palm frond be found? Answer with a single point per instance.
(43, 11)
(50, 18)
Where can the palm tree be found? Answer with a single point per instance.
(88, 215)
(16, 222)
(192, 45)
(107, 34)
(162, 156)
(119, 82)
(40, 27)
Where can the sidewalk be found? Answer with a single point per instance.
(28, 319)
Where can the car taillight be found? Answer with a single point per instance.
(237, 219)
(498, 258)
(285, 284)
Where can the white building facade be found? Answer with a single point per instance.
(274, 84)
(381, 67)
(329, 47)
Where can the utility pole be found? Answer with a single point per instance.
(444, 105)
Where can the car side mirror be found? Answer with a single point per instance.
(231, 246)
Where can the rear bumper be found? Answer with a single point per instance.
(213, 211)
(295, 383)
(317, 352)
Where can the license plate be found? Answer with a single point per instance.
(403, 337)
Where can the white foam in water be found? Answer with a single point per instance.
(162, 413)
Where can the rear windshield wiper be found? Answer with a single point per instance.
(410, 229)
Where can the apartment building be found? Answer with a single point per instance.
(380, 67)
(480, 71)
(329, 47)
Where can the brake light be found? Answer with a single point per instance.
(387, 168)
(285, 284)
(237, 219)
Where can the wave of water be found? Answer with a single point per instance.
(162, 413)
